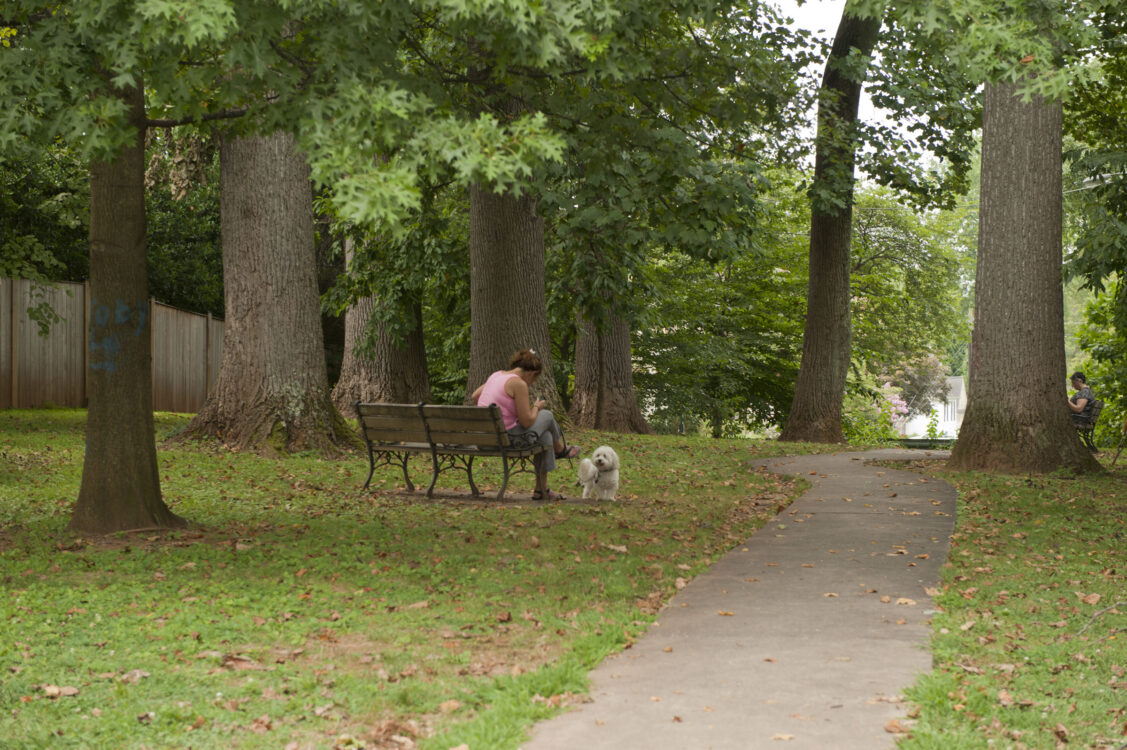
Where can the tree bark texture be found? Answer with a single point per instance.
(391, 374)
(120, 488)
(604, 396)
(1016, 418)
(272, 391)
(815, 414)
(508, 303)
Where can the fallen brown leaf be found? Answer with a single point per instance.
(893, 726)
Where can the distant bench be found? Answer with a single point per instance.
(453, 436)
(1086, 424)
(926, 443)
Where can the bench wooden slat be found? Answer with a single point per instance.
(453, 450)
(410, 438)
(450, 423)
(438, 410)
(469, 438)
(391, 419)
(406, 432)
(467, 413)
(388, 410)
(470, 416)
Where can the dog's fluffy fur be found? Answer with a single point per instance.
(599, 474)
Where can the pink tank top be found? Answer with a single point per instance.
(494, 393)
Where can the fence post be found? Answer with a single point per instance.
(206, 361)
(16, 288)
(13, 347)
(153, 354)
(86, 343)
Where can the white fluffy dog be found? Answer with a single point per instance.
(599, 474)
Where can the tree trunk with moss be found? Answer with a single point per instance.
(604, 396)
(272, 391)
(120, 487)
(389, 372)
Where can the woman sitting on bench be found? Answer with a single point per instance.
(509, 390)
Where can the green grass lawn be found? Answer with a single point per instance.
(302, 613)
(1030, 647)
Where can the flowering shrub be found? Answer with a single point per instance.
(869, 416)
(892, 403)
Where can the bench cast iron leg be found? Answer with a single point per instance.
(469, 476)
(371, 469)
(1086, 438)
(504, 478)
(406, 477)
(434, 473)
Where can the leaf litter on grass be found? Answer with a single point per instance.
(1030, 645)
(302, 611)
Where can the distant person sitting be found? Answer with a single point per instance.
(1084, 409)
(1081, 402)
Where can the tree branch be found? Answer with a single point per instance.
(1102, 612)
(228, 114)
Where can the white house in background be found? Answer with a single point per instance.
(950, 413)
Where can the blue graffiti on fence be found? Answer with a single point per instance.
(105, 340)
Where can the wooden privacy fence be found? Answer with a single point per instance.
(51, 370)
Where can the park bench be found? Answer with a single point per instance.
(453, 436)
(1086, 424)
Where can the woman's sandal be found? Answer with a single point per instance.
(547, 495)
(569, 452)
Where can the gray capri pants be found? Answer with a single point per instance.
(548, 430)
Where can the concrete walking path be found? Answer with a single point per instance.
(801, 638)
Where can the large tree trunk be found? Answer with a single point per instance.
(1016, 418)
(815, 413)
(390, 373)
(508, 304)
(604, 379)
(272, 391)
(120, 486)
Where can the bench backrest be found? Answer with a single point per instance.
(479, 426)
(392, 423)
(1097, 407)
